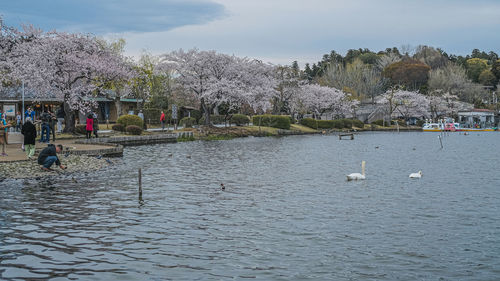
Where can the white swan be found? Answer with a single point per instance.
(416, 175)
(358, 176)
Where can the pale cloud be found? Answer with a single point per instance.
(281, 31)
(285, 30)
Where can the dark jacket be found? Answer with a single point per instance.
(45, 117)
(95, 125)
(29, 132)
(60, 113)
(50, 150)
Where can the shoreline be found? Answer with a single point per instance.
(75, 164)
(92, 157)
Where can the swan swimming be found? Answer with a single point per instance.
(416, 175)
(358, 176)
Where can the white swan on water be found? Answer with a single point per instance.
(358, 176)
(416, 175)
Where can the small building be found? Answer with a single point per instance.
(109, 106)
(477, 118)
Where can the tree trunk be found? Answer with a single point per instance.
(69, 120)
(118, 105)
(206, 111)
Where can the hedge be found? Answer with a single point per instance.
(118, 127)
(187, 122)
(127, 120)
(134, 130)
(330, 124)
(347, 123)
(380, 122)
(240, 119)
(358, 123)
(214, 119)
(275, 121)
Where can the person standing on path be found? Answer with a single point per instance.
(162, 120)
(90, 125)
(29, 132)
(52, 125)
(48, 156)
(19, 120)
(95, 124)
(45, 117)
(29, 113)
(3, 133)
(60, 114)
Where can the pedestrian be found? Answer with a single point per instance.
(52, 125)
(162, 120)
(48, 156)
(60, 114)
(95, 124)
(140, 114)
(90, 125)
(46, 119)
(4, 127)
(19, 120)
(29, 113)
(29, 132)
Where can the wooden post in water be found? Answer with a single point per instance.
(140, 184)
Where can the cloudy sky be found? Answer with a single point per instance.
(277, 31)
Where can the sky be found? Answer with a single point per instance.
(276, 31)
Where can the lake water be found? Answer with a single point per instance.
(287, 213)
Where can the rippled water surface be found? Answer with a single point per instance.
(287, 213)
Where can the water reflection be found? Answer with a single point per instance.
(287, 212)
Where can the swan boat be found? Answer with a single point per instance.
(452, 127)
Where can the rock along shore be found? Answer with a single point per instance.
(30, 169)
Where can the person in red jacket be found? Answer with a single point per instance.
(90, 125)
(162, 121)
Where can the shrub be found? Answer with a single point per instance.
(309, 122)
(127, 120)
(214, 119)
(275, 121)
(81, 129)
(118, 127)
(420, 123)
(347, 123)
(196, 114)
(187, 122)
(338, 124)
(380, 122)
(358, 123)
(184, 139)
(327, 124)
(240, 119)
(133, 130)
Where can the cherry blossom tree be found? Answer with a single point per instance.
(69, 66)
(406, 103)
(445, 104)
(412, 104)
(218, 79)
(287, 88)
(319, 99)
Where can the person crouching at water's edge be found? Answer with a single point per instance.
(48, 156)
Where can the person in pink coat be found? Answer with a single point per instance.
(90, 125)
